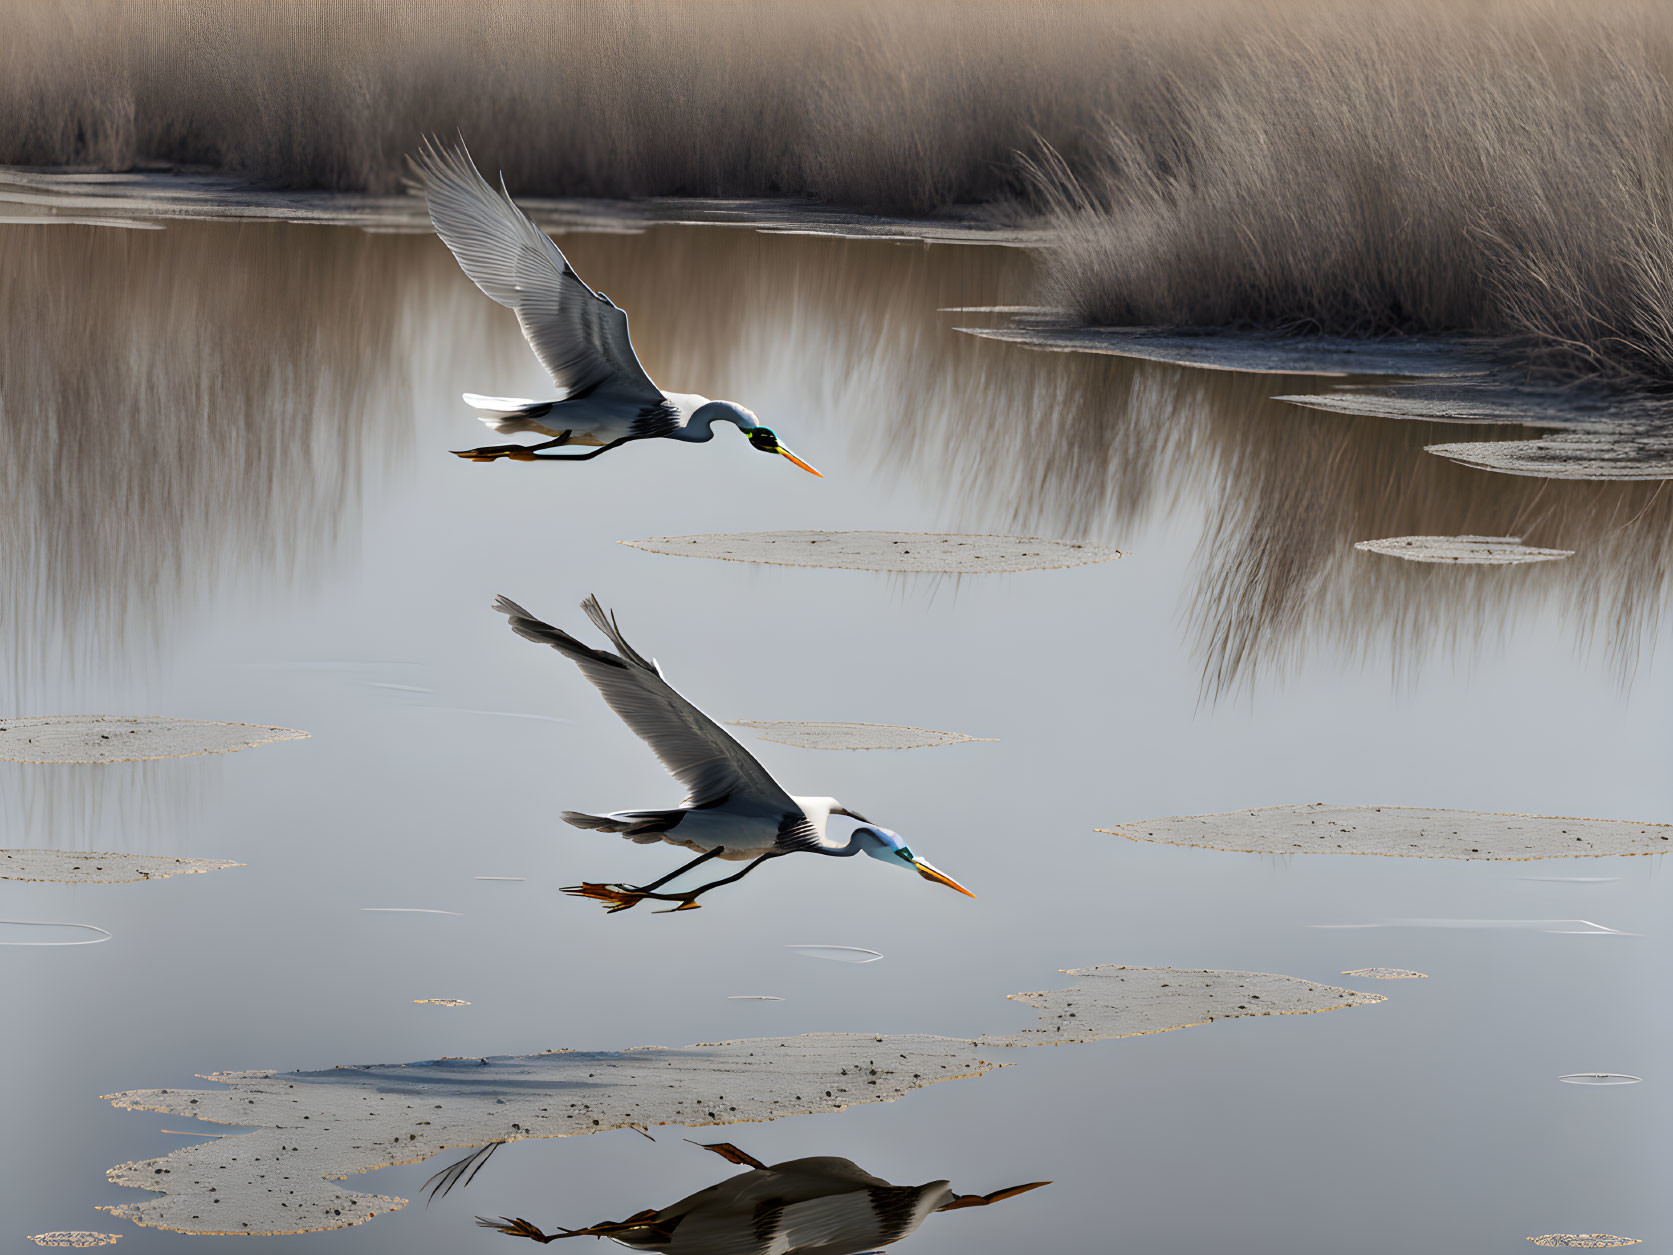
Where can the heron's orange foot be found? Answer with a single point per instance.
(615, 897)
(488, 453)
(690, 904)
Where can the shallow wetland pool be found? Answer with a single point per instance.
(224, 453)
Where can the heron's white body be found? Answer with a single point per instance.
(588, 421)
(740, 831)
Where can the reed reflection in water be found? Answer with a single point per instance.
(1094, 447)
(182, 406)
(205, 401)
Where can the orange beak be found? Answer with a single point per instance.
(798, 461)
(929, 872)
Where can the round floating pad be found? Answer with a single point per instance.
(86, 867)
(74, 1237)
(852, 736)
(1387, 973)
(926, 553)
(1591, 1241)
(126, 738)
(1402, 832)
(440, 1002)
(1463, 550)
(1115, 1001)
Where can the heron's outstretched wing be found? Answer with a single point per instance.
(578, 335)
(694, 749)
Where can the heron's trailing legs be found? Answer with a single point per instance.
(624, 897)
(517, 1227)
(526, 452)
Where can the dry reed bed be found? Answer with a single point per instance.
(1500, 168)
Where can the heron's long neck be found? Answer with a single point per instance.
(818, 812)
(704, 415)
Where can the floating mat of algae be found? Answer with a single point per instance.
(316, 1128)
(74, 1237)
(82, 867)
(312, 1129)
(439, 1002)
(1591, 1241)
(1387, 973)
(852, 736)
(926, 553)
(1601, 455)
(1463, 550)
(127, 738)
(1115, 1001)
(1402, 832)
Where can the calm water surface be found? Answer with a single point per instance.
(228, 497)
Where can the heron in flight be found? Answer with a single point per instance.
(733, 809)
(822, 1205)
(579, 335)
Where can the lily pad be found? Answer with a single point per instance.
(1402, 832)
(1387, 973)
(1599, 1078)
(1606, 455)
(126, 738)
(85, 867)
(74, 1237)
(1114, 1001)
(1463, 550)
(923, 553)
(852, 736)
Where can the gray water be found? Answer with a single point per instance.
(229, 497)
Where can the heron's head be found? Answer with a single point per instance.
(765, 438)
(887, 847)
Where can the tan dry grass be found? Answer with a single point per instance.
(1494, 166)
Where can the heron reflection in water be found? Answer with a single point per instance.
(823, 1204)
(579, 334)
(733, 809)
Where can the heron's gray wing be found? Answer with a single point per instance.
(695, 750)
(578, 335)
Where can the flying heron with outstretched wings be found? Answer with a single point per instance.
(579, 334)
(733, 809)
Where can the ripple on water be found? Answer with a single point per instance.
(838, 954)
(20, 932)
(927, 553)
